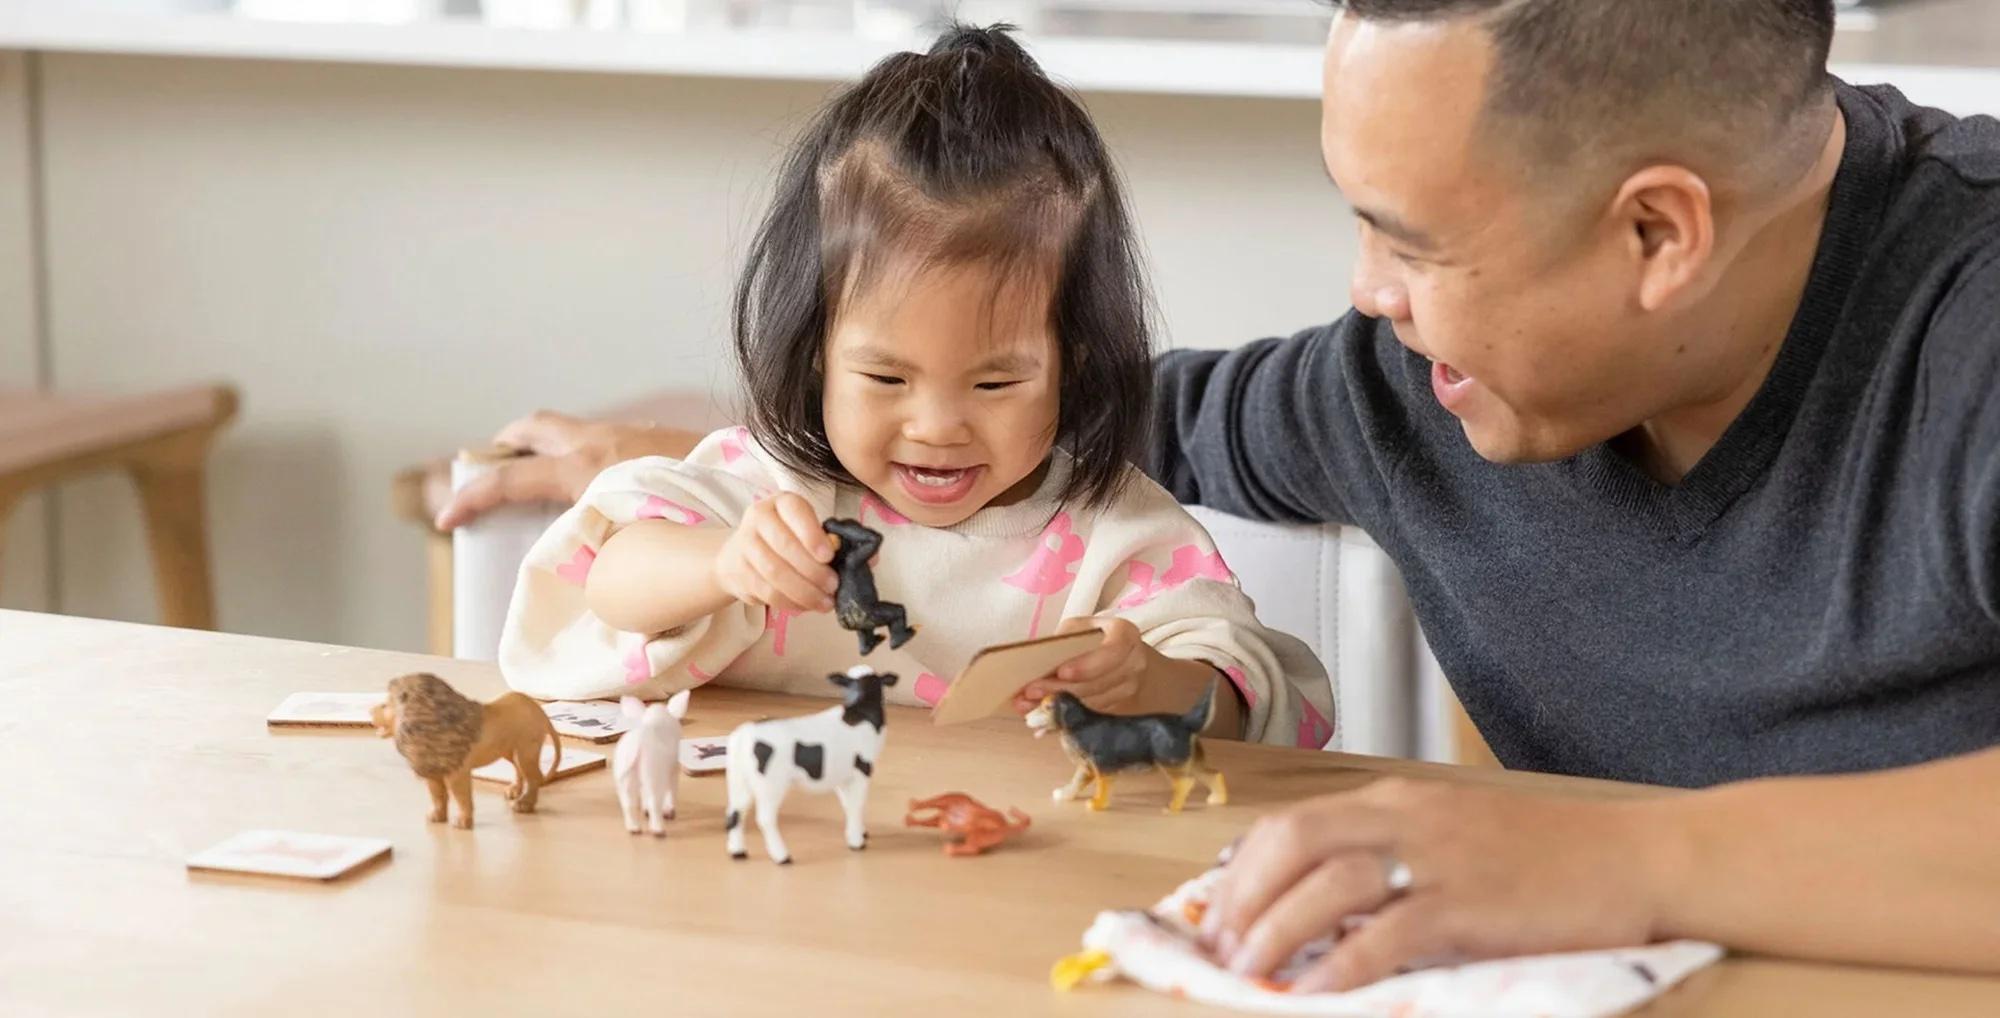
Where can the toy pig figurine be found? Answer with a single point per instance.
(645, 766)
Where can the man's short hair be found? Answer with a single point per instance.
(1733, 77)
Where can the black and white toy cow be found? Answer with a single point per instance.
(833, 750)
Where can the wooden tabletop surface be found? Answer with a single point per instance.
(129, 748)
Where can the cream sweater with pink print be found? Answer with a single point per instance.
(1008, 573)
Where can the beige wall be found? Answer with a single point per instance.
(24, 565)
(393, 261)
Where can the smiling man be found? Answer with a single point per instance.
(1670, 385)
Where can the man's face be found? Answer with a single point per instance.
(1524, 300)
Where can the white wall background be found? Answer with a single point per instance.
(392, 261)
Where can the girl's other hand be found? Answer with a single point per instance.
(778, 557)
(1106, 678)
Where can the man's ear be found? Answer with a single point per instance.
(1669, 212)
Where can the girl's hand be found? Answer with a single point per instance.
(778, 557)
(1105, 679)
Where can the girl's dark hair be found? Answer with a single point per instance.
(967, 154)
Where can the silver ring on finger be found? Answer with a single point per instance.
(1396, 875)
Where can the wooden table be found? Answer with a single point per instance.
(128, 748)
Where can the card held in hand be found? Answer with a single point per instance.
(996, 674)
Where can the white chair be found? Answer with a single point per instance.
(1331, 587)
(1334, 589)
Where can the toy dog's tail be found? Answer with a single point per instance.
(1196, 717)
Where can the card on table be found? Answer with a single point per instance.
(574, 761)
(707, 754)
(594, 720)
(290, 854)
(996, 674)
(325, 710)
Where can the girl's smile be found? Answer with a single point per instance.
(937, 486)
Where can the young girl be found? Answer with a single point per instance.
(942, 333)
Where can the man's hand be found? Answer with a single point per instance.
(1491, 873)
(566, 453)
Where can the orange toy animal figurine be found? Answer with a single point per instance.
(977, 826)
(445, 734)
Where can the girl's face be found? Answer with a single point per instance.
(941, 392)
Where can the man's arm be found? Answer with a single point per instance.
(1273, 430)
(1899, 867)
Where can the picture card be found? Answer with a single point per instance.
(325, 710)
(593, 720)
(574, 761)
(988, 685)
(705, 755)
(289, 854)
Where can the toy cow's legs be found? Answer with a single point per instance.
(1077, 783)
(461, 793)
(438, 800)
(769, 798)
(853, 796)
(528, 778)
(736, 774)
(733, 822)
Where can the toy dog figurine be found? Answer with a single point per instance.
(1104, 744)
(856, 603)
(976, 826)
(445, 734)
(646, 765)
(833, 750)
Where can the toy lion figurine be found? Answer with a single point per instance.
(445, 734)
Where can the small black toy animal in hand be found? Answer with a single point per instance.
(856, 604)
